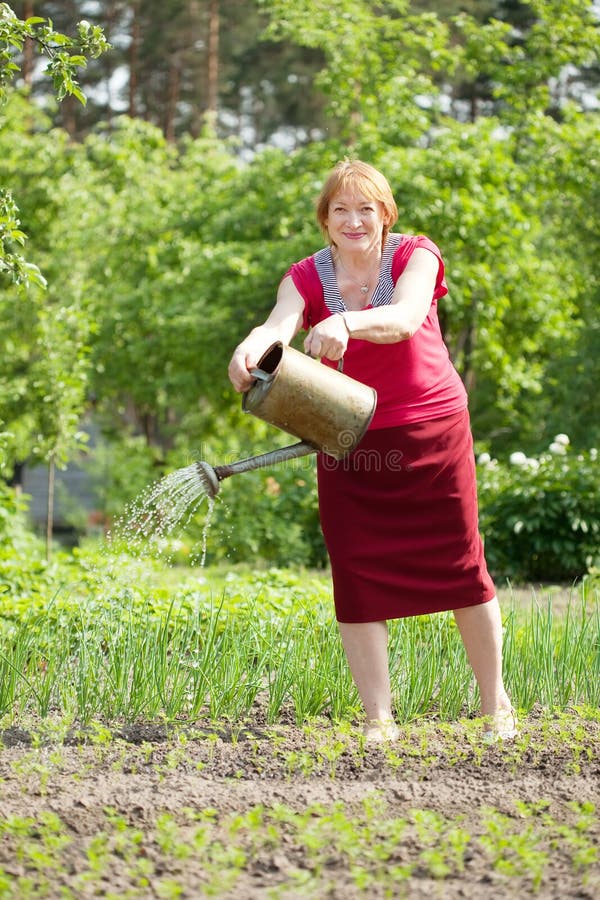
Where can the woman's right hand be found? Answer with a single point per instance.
(284, 321)
(243, 360)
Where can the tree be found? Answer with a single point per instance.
(266, 70)
(175, 248)
(55, 378)
(62, 68)
(380, 63)
(62, 64)
(562, 160)
(525, 66)
(512, 307)
(177, 62)
(391, 68)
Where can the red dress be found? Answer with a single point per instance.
(399, 514)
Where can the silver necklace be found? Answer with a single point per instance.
(364, 286)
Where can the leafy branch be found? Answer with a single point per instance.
(63, 63)
(66, 55)
(12, 262)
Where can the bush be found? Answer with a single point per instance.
(540, 517)
(16, 538)
(24, 569)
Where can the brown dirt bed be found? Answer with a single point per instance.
(292, 812)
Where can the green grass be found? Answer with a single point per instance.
(124, 641)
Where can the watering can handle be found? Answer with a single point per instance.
(260, 375)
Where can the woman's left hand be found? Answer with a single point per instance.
(328, 338)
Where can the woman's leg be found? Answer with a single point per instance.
(366, 646)
(481, 630)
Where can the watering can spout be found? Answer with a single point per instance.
(212, 476)
(208, 479)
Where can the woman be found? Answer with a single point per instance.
(399, 515)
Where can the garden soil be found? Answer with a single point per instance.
(522, 806)
(139, 774)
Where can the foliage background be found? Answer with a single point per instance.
(163, 213)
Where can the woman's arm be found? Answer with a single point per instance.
(282, 324)
(388, 324)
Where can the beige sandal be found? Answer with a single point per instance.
(382, 732)
(502, 726)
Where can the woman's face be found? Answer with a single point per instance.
(355, 222)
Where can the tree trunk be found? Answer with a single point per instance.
(68, 117)
(50, 507)
(196, 72)
(107, 61)
(133, 57)
(212, 60)
(474, 104)
(148, 422)
(173, 88)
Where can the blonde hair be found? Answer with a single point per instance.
(358, 176)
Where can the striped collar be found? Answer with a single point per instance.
(382, 294)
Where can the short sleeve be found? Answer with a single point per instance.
(404, 253)
(308, 284)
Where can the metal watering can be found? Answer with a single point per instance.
(329, 411)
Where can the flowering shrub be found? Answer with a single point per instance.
(540, 516)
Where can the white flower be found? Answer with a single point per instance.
(562, 439)
(593, 453)
(484, 458)
(532, 463)
(557, 448)
(518, 458)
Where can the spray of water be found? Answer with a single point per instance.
(162, 510)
